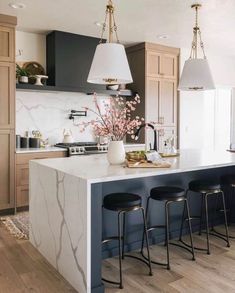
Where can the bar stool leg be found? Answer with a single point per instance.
(207, 223)
(182, 222)
(214, 212)
(120, 247)
(123, 235)
(190, 227)
(146, 217)
(167, 234)
(201, 215)
(225, 219)
(147, 241)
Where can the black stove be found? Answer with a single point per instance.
(83, 148)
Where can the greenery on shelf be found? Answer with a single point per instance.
(20, 71)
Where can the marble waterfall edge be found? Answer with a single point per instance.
(59, 223)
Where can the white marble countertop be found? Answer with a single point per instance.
(39, 150)
(95, 168)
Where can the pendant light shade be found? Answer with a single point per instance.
(110, 65)
(196, 75)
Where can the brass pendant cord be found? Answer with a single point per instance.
(112, 23)
(196, 37)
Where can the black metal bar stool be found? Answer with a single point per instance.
(228, 181)
(169, 195)
(124, 203)
(207, 188)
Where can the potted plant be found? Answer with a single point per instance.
(115, 120)
(22, 74)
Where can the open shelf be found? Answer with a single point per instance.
(48, 88)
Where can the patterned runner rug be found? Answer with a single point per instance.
(17, 225)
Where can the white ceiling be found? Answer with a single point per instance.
(138, 20)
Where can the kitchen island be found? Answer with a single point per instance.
(66, 218)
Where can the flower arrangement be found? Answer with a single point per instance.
(115, 119)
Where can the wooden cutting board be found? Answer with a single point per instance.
(148, 165)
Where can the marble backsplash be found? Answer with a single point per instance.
(48, 112)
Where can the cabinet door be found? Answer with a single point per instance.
(152, 100)
(22, 195)
(153, 64)
(7, 95)
(168, 103)
(168, 66)
(164, 134)
(7, 45)
(7, 172)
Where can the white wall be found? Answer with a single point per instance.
(32, 46)
(196, 117)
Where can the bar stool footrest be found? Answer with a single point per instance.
(112, 282)
(138, 258)
(154, 262)
(188, 245)
(184, 247)
(217, 234)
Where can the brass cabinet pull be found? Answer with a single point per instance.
(161, 120)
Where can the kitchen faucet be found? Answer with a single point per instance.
(155, 144)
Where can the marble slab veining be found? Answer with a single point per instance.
(59, 223)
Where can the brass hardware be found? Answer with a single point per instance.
(110, 80)
(196, 36)
(112, 27)
(161, 120)
(196, 88)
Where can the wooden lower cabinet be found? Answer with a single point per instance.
(7, 168)
(22, 173)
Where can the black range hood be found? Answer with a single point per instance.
(69, 58)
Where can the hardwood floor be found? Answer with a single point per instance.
(23, 269)
(209, 273)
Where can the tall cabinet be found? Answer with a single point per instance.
(7, 111)
(155, 71)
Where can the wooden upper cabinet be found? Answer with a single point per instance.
(168, 103)
(168, 66)
(161, 65)
(153, 64)
(7, 95)
(7, 154)
(7, 46)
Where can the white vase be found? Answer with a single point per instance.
(116, 153)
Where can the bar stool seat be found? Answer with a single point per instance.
(120, 201)
(204, 186)
(167, 193)
(123, 203)
(170, 195)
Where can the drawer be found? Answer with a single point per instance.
(25, 158)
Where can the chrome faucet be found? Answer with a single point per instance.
(155, 143)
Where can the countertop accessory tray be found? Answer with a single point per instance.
(169, 155)
(146, 164)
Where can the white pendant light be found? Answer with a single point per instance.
(110, 64)
(196, 75)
